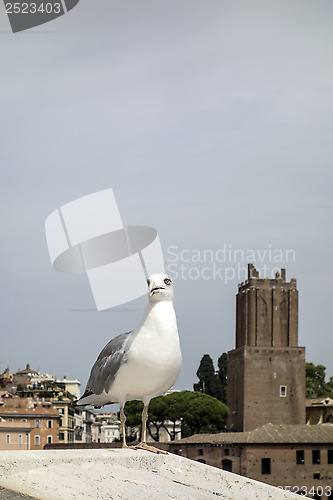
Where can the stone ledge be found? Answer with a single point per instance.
(123, 474)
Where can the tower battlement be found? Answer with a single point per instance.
(279, 281)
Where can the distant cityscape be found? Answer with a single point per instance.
(38, 409)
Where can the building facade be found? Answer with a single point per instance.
(14, 436)
(109, 427)
(6, 379)
(66, 411)
(266, 370)
(70, 385)
(89, 418)
(295, 457)
(42, 422)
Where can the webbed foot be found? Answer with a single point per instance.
(146, 447)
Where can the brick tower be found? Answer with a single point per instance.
(266, 371)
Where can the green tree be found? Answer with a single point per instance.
(222, 364)
(316, 386)
(209, 381)
(196, 411)
(202, 414)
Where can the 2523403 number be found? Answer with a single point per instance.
(33, 8)
(314, 490)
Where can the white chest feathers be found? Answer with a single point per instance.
(154, 358)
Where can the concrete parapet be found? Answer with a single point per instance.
(123, 474)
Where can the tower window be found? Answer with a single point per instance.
(226, 451)
(265, 466)
(316, 457)
(283, 391)
(300, 457)
(201, 451)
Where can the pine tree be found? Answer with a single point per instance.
(209, 382)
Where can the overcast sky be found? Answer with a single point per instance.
(212, 122)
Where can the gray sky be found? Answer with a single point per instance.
(212, 122)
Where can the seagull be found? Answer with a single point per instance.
(141, 364)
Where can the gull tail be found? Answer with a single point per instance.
(91, 399)
(87, 398)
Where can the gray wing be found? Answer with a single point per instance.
(111, 358)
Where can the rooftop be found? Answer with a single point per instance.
(27, 371)
(6, 412)
(270, 434)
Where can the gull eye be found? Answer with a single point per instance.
(167, 281)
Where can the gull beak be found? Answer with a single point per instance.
(154, 289)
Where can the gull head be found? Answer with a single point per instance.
(160, 287)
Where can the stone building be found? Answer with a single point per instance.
(294, 457)
(266, 370)
(266, 397)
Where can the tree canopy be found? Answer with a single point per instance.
(196, 411)
(202, 413)
(316, 386)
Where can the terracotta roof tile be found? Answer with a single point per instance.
(269, 433)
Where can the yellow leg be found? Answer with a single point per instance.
(143, 445)
(122, 422)
(144, 424)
